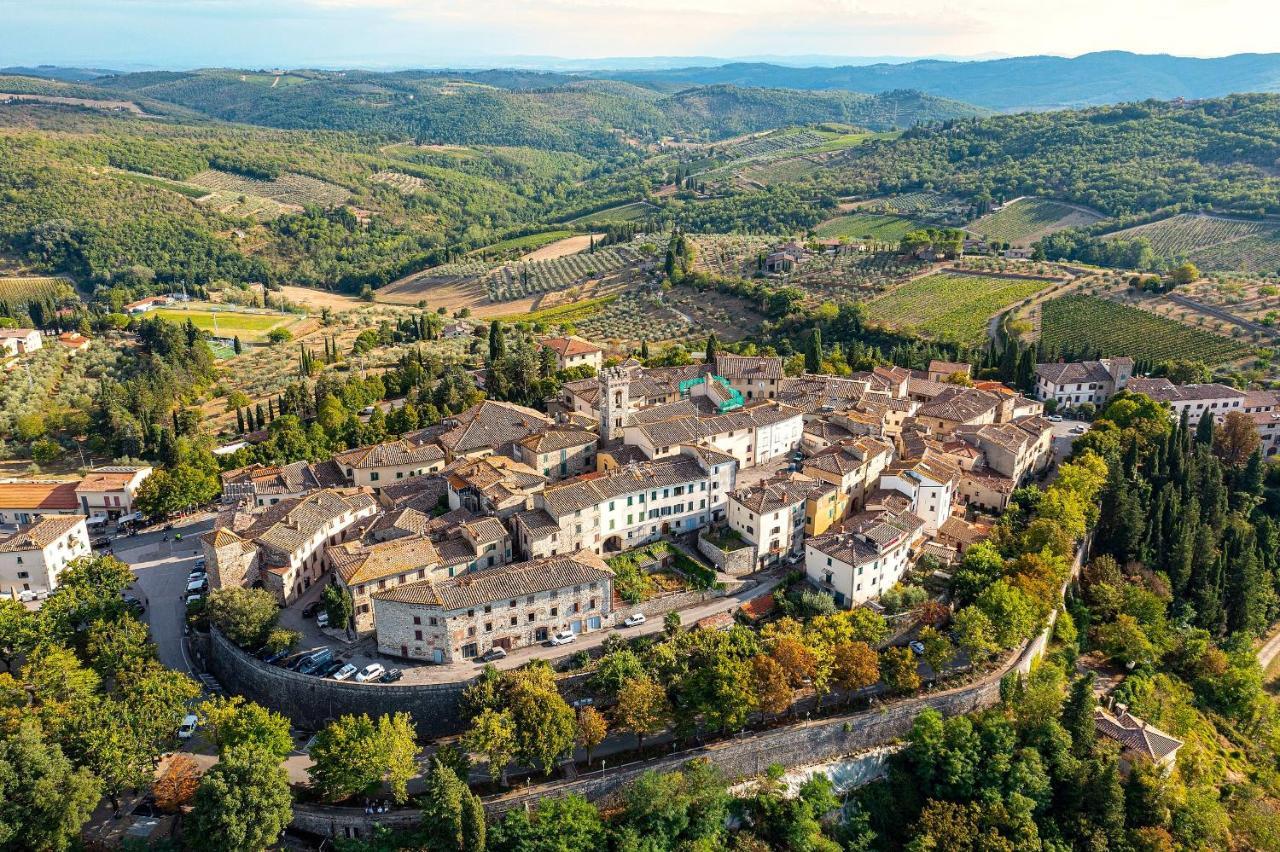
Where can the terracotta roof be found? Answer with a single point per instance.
(287, 525)
(554, 440)
(108, 478)
(1079, 371)
(390, 454)
(16, 333)
(1163, 390)
(569, 346)
(505, 582)
(865, 536)
(39, 535)
(38, 496)
(748, 366)
(959, 405)
(1135, 734)
(773, 495)
(491, 424)
(357, 562)
(576, 494)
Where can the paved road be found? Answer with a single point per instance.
(161, 568)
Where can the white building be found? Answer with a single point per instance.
(754, 434)
(1073, 383)
(929, 482)
(573, 351)
(772, 516)
(377, 465)
(1194, 400)
(20, 341)
(23, 501)
(864, 557)
(628, 506)
(108, 492)
(33, 558)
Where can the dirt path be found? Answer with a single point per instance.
(561, 248)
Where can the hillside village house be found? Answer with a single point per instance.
(486, 427)
(33, 558)
(863, 557)
(755, 377)
(1194, 400)
(624, 508)
(1076, 382)
(559, 453)
(20, 341)
(74, 341)
(772, 517)
(1140, 741)
(511, 606)
(853, 466)
(146, 305)
(376, 465)
(108, 492)
(265, 485)
(23, 501)
(941, 371)
(928, 482)
(493, 485)
(753, 434)
(365, 568)
(282, 546)
(573, 351)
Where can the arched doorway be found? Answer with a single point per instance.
(613, 544)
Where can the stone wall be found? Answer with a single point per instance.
(666, 603)
(735, 562)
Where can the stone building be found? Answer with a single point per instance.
(508, 607)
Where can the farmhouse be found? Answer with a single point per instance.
(74, 341)
(1193, 400)
(1076, 382)
(143, 306)
(20, 341)
(572, 351)
(1140, 741)
(33, 558)
(507, 607)
(862, 558)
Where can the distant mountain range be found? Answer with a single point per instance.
(1027, 82)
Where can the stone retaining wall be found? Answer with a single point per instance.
(735, 562)
(666, 603)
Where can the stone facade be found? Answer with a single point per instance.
(735, 562)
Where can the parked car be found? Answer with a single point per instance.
(197, 577)
(28, 595)
(391, 676)
(1054, 418)
(330, 668)
(916, 646)
(201, 562)
(275, 657)
(322, 619)
(345, 672)
(311, 609)
(635, 619)
(494, 653)
(564, 637)
(1079, 430)
(193, 597)
(188, 727)
(310, 662)
(100, 542)
(373, 671)
(196, 586)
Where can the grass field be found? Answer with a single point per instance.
(249, 327)
(1213, 242)
(951, 306)
(1028, 219)
(1073, 323)
(870, 226)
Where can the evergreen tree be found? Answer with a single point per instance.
(497, 345)
(235, 344)
(813, 352)
(712, 345)
(1204, 429)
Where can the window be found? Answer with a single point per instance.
(514, 620)
(488, 627)
(373, 477)
(528, 601)
(471, 631)
(417, 619)
(488, 608)
(432, 621)
(555, 611)
(417, 635)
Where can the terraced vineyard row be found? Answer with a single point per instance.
(1212, 242)
(1073, 323)
(950, 306)
(289, 188)
(927, 204)
(870, 226)
(775, 143)
(515, 281)
(406, 184)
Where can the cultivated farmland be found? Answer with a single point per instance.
(289, 188)
(35, 289)
(1213, 242)
(952, 306)
(1026, 220)
(867, 226)
(1076, 323)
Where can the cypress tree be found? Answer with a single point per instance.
(1204, 430)
(712, 343)
(235, 344)
(239, 421)
(813, 352)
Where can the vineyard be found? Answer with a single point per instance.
(1075, 323)
(950, 306)
(928, 205)
(1026, 220)
(1212, 242)
(515, 281)
(289, 188)
(866, 226)
(29, 289)
(632, 212)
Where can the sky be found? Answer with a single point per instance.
(440, 33)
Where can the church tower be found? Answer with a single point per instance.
(615, 400)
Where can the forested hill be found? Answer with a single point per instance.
(1025, 82)
(510, 108)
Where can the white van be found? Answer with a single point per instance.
(188, 726)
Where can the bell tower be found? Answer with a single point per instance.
(615, 400)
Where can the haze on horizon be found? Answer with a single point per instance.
(441, 33)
